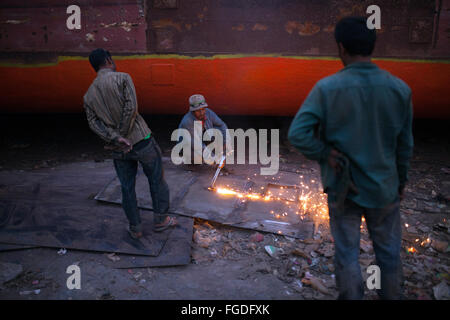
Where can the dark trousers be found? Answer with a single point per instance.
(148, 154)
(384, 228)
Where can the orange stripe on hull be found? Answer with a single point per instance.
(235, 86)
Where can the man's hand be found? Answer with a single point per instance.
(332, 160)
(124, 144)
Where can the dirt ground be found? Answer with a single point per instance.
(232, 263)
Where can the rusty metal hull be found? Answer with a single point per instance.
(253, 57)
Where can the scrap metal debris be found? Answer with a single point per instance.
(113, 257)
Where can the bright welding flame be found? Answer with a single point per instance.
(225, 191)
(228, 191)
(309, 202)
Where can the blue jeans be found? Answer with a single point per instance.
(148, 154)
(384, 228)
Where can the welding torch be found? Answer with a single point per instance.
(219, 167)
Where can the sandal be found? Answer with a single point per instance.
(170, 222)
(135, 235)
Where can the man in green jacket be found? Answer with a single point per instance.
(357, 124)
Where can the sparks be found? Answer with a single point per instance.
(312, 203)
(412, 250)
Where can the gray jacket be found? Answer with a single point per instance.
(212, 121)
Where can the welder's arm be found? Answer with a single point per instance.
(218, 123)
(189, 125)
(130, 108)
(301, 132)
(98, 126)
(221, 125)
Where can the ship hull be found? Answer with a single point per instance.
(233, 85)
(248, 57)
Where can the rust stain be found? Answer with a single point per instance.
(124, 25)
(239, 27)
(163, 23)
(308, 29)
(188, 26)
(304, 29)
(329, 28)
(354, 10)
(200, 16)
(259, 27)
(205, 9)
(15, 21)
(290, 26)
(344, 12)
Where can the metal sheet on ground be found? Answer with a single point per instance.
(11, 247)
(178, 180)
(195, 200)
(52, 208)
(202, 203)
(176, 250)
